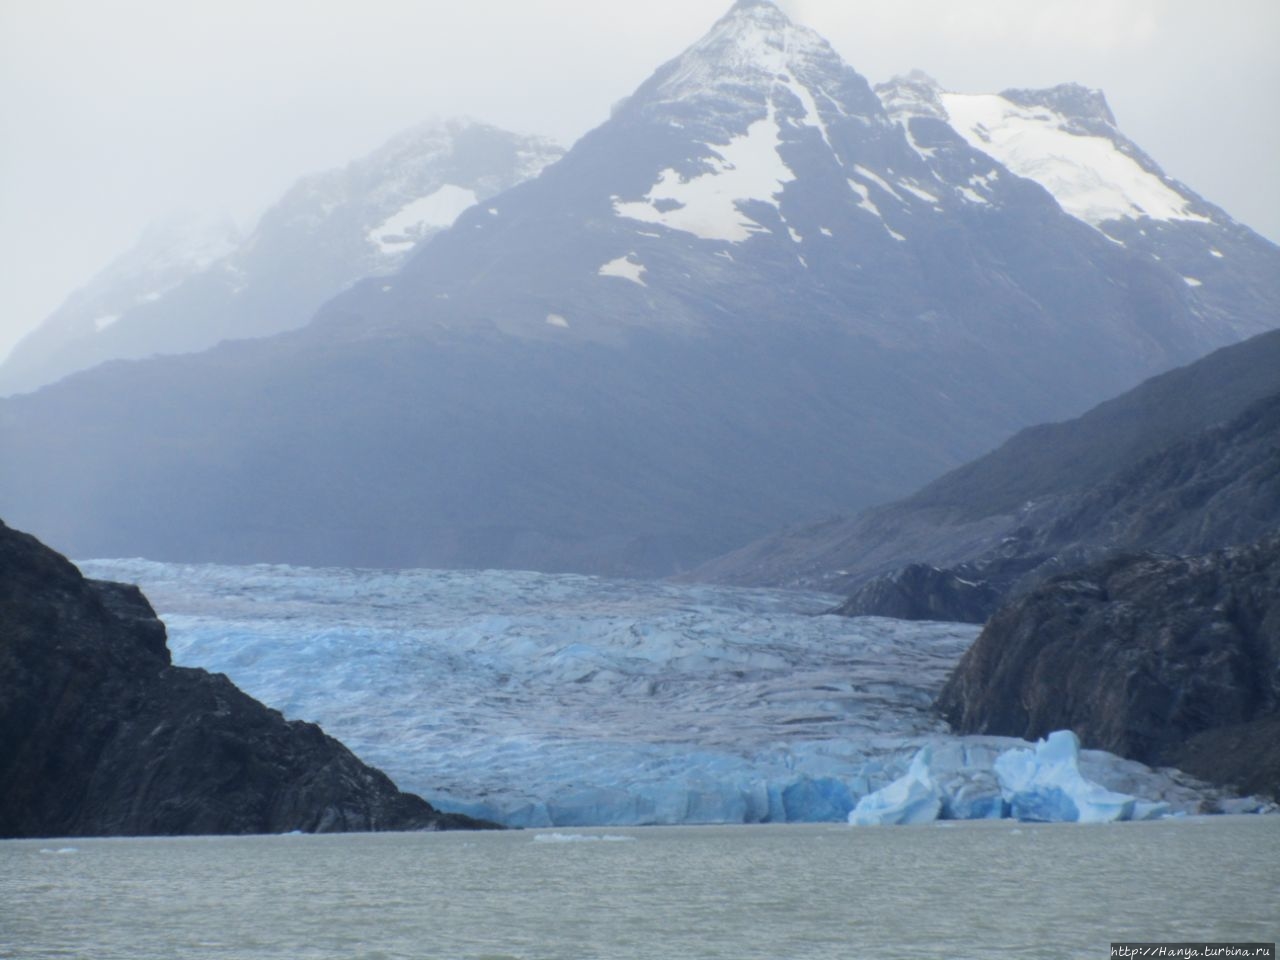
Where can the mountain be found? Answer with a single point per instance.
(746, 299)
(1185, 463)
(104, 736)
(1065, 138)
(168, 253)
(1171, 661)
(187, 286)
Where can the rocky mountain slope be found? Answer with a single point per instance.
(749, 298)
(1186, 462)
(187, 286)
(1169, 660)
(103, 736)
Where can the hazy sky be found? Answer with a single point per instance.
(116, 112)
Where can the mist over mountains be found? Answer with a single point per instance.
(760, 293)
(188, 285)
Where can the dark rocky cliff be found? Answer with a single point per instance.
(104, 736)
(921, 592)
(1168, 660)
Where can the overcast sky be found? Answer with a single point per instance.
(116, 112)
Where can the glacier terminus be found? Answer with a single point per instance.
(542, 700)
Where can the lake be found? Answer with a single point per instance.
(773, 892)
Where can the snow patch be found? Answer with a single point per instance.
(1089, 176)
(865, 201)
(625, 269)
(878, 180)
(1192, 282)
(748, 168)
(924, 195)
(973, 196)
(811, 115)
(436, 211)
(555, 320)
(924, 153)
(101, 323)
(825, 232)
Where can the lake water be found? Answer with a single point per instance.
(783, 892)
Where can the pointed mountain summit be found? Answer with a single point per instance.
(749, 298)
(181, 290)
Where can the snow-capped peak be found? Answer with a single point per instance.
(913, 94)
(1093, 173)
(1073, 101)
(182, 242)
(1063, 138)
(755, 95)
(749, 48)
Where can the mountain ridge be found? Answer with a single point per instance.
(723, 311)
(1037, 478)
(325, 232)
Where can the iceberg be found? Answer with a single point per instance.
(1045, 784)
(1041, 784)
(912, 798)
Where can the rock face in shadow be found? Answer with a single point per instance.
(1168, 660)
(1186, 463)
(104, 736)
(921, 592)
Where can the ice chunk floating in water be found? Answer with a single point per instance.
(1042, 783)
(552, 701)
(913, 798)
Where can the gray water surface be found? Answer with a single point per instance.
(969, 890)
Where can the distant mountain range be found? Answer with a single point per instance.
(188, 285)
(1187, 462)
(760, 293)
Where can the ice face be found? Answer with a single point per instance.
(913, 798)
(548, 701)
(1045, 784)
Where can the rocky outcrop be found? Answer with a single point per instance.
(1168, 660)
(921, 592)
(104, 736)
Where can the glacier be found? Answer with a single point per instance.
(542, 700)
